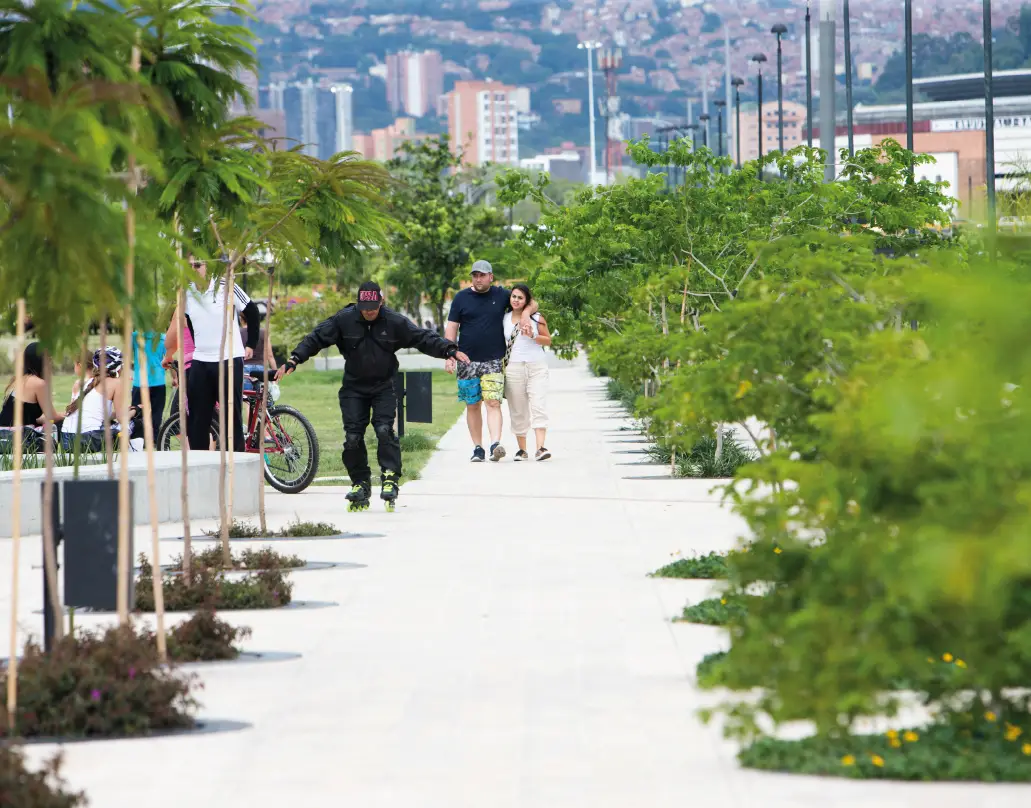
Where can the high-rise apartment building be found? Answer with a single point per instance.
(483, 122)
(415, 82)
(343, 95)
(309, 117)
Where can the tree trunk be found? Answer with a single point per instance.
(719, 442)
(439, 306)
(16, 457)
(155, 547)
(109, 449)
(222, 511)
(49, 548)
(264, 408)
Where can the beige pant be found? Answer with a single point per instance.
(526, 388)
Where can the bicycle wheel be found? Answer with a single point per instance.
(169, 435)
(291, 450)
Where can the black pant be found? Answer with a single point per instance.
(157, 410)
(357, 399)
(203, 393)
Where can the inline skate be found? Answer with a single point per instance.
(390, 490)
(358, 498)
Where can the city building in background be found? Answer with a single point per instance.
(415, 82)
(950, 126)
(316, 113)
(794, 128)
(382, 144)
(483, 121)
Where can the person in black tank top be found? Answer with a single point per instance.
(32, 388)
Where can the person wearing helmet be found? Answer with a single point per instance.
(97, 403)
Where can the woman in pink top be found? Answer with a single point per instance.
(171, 354)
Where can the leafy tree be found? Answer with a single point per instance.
(441, 231)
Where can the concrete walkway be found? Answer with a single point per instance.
(502, 648)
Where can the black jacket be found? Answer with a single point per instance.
(369, 348)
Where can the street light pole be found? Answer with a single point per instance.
(828, 83)
(848, 81)
(760, 59)
(908, 14)
(809, 75)
(720, 105)
(989, 115)
(705, 118)
(589, 47)
(736, 83)
(780, 29)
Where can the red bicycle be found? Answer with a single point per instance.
(290, 445)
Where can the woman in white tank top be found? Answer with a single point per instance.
(97, 404)
(526, 374)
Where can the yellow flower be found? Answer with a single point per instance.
(911, 737)
(777, 550)
(877, 760)
(960, 663)
(946, 657)
(723, 601)
(893, 733)
(742, 389)
(895, 743)
(848, 760)
(990, 716)
(1026, 749)
(1012, 732)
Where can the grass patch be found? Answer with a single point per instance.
(210, 589)
(709, 672)
(701, 463)
(715, 611)
(263, 559)
(709, 566)
(991, 752)
(314, 392)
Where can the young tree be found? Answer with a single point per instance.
(440, 230)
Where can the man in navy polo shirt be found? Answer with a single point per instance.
(476, 322)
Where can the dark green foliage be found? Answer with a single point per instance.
(205, 638)
(701, 461)
(211, 589)
(717, 611)
(711, 565)
(709, 672)
(981, 750)
(264, 558)
(22, 788)
(98, 684)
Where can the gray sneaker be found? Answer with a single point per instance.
(497, 451)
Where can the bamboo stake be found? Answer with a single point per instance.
(49, 548)
(231, 398)
(155, 547)
(264, 408)
(124, 527)
(83, 362)
(222, 510)
(108, 442)
(184, 446)
(19, 423)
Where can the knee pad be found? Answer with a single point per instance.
(384, 432)
(353, 440)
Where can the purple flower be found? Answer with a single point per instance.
(95, 695)
(132, 673)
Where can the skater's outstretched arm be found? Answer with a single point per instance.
(325, 335)
(428, 342)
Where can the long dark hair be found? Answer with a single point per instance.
(522, 287)
(33, 364)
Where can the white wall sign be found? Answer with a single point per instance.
(977, 124)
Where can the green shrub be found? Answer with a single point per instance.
(296, 529)
(717, 611)
(624, 394)
(205, 638)
(94, 684)
(700, 462)
(992, 752)
(21, 788)
(711, 565)
(210, 589)
(237, 530)
(709, 672)
(264, 558)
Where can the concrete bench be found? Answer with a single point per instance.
(203, 488)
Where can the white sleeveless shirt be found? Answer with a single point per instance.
(94, 407)
(525, 349)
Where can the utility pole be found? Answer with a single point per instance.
(989, 116)
(589, 47)
(828, 12)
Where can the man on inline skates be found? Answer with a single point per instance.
(369, 335)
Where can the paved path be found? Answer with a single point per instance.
(502, 648)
